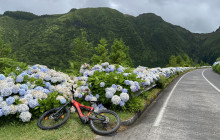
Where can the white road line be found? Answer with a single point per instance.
(160, 115)
(209, 81)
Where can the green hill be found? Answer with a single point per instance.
(46, 39)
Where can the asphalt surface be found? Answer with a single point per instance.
(188, 109)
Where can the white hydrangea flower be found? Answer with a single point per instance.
(72, 109)
(109, 94)
(131, 83)
(24, 101)
(111, 90)
(83, 83)
(124, 97)
(25, 116)
(119, 88)
(94, 99)
(116, 100)
(106, 64)
(59, 97)
(14, 109)
(76, 94)
(28, 97)
(23, 108)
(84, 78)
(3, 104)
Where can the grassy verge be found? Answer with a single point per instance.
(73, 129)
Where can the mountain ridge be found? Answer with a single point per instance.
(46, 39)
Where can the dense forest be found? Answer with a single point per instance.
(49, 39)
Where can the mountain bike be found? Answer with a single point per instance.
(102, 122)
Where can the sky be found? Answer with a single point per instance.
(197, 16)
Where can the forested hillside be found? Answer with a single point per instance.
(47, 39)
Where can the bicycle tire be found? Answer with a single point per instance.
(40, 125)
(101, 132)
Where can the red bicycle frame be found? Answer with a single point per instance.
(78, 106)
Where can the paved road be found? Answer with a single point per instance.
(188, 109)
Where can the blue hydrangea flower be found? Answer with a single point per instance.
(10, 100)
(2, 77)
(120, 70)
(24, 86)
(6, 110)
(136, 83)
(34, 67)
(44, 69)
(101, 107)
(37, 76)
(6, 92)
(80, 95)
(47, 85)
(33, 103)
(46, 91)
(1, 112)
(88, 98)
(124, 90)
(102, 84)
(122, 103)
(111, 68)
(127, 82)
(107, 70)
(114, 86)
(125, 74)
(23, 74)
(133, 88)
(39, 88)
(29, 72)
(63, 101)
(97, 96)
(19, 79)
(22, 92)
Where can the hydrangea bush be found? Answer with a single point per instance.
(38, 88)
(115, 86)
(216, 67)
(28, 92)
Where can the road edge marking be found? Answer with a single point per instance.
(209, 81)
(160, 115)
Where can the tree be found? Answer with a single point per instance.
(120, 53)
(5, 49)
(101, 53)
(172, 61)
(186, 59)
(179, 61)
(81, 50)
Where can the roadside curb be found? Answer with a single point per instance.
(138, 114)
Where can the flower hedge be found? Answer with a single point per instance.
(216, 67)
(37, 89)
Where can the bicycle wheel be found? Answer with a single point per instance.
(105, 122)
(50, 120)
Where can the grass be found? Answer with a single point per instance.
(73, 130)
